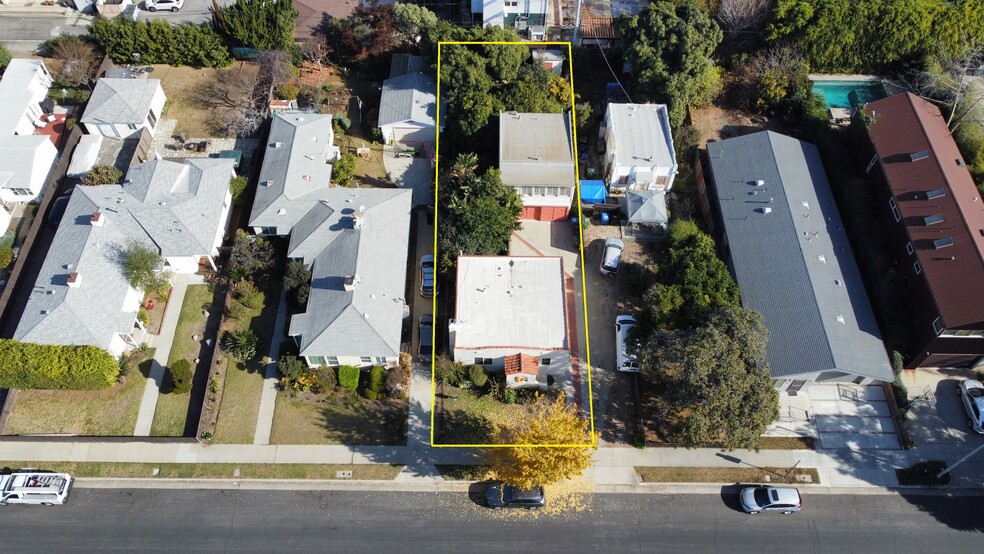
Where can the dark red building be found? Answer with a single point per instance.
(938, 228)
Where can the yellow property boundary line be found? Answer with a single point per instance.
(584, 303)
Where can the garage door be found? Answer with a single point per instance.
(413, 135)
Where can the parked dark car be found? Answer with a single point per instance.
(501, 495)
(784, 500)
(426, 326)
(57, 211)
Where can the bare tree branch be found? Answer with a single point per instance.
(739, 15)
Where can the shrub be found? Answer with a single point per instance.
(181, 376)
(143, 316)
(297, 283)
(4, 57)
(249, 295)
(898, 387)
(6, 256)
(70, 123)
(448, 372)
(102, 175)
(237, 187)
(241, 345)
(292, 367)
(348, 377)
(47, 366)
(685, 141)
(477, 375)
(344, 169)
(370, 394)
(159, 42)
(236, 310)
(327, 379)
(286, 91)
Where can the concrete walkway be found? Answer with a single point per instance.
(162, 342)
(268, 398)
(410, 173)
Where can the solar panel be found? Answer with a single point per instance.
(936, 193)
(933, 219)
(943, 243)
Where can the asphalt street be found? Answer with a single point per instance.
(102, 520)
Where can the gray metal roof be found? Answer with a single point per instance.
(19, 88)
(792, 259)
(295, 174)
(536, 149)
(120, 101)
(641, 134)
(366, 321)
(410, 97)
(172, 207)
(401, 64)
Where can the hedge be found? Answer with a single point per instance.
(348, 376)
(158, 42)
(182, 376)
(47, 366)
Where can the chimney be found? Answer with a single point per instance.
(349, 283)
(74, 280)
(357, 221)
(97, 219)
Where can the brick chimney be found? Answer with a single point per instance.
(97, 219)
(74, 280)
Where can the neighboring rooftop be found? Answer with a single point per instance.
(361, 234)
(792, 259)
(21, 156)
(931, 184)
(642, 134)
(401, 64)
(120, 101)
(536, 149)
(409, 97)
(510, 301)
(18, 90)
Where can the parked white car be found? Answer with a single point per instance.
(971, 393)
(163, 5)
(624, 359)
(612, 257)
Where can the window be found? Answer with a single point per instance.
(316, 360)
(332, 360)
(512, 3)
(152, 119)
(544, 361)
(131, 126)
(963, 333)
(483, 361)
(895, 209)
(871, 164)
(917, 268)
(268, 230)
(365, 359)
(380, 360)
(21, 192)
(938, 326)
(909, 248)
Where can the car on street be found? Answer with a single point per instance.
(625, 360)
(163, 5)
(612, 258)
(425, 326)
(428, 285)
(501, 495)
(783, 500)
(971, 393)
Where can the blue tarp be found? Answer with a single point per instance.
(593, 192)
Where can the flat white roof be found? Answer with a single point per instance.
(509, 301)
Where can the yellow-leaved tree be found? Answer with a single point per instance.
(546, 421)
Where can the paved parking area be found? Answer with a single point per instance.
(936, 414)
(840, 416)
(413, 173)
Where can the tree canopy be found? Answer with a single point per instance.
(668, 47)
(142, 267)
(716, 378)
(260, 24)
(544, 421)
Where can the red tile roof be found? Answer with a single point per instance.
(521, 363)
(927, 177)
(598, 27)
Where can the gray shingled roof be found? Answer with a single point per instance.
(536, 149)
(410, 97)
(368, 320)
(642, 134)
(173, 207)
(120, 101)
(791, 257)
(297, 171)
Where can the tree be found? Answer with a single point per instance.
(544, 421)
(4, 57)
(80, 59)
(6, 256)
(260, 24)
(237, 187)
(369, 31)
(716, 378)
(316, 50)
(102, 175)
(182, 377)
(344, 169)
(242, 344)
(412, 21)
(297, 283)
(943, 80)
(159, 42)
(668, 48)
(741, 15)
(250, 256)
(142, 266)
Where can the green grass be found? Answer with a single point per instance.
(240, 405)
(377, 422)
(376, 472)
(786, 443)
(472, 418)
(725, 474)
(460, 472)
(109, 412)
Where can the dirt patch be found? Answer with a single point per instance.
(182, 85)
(719, 123)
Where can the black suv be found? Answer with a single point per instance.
(500, 495)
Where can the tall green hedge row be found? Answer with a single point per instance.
(45, 366)
(158, 42)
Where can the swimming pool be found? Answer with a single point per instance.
(848, 94)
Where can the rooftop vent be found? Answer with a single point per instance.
(840, 319)
(349, 283)
(276, 145)
(920, 155)
(357, 221)
(943, 242)
(936, 193)
(97, 219)
(74, 280)
(267, 183)
(282, 211)
(758, 182)
(933, 219)
(305, 177)
(765, 210)
(960, 163)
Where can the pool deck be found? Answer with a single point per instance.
(842, 77)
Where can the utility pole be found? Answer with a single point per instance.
(577, 23)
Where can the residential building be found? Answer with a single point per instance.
(26, 162)
(24, 85)
(927, 198)
(598, 31)
(529, 17)
(408, 109)
(511, 318)
(296, 171)
(81, 296)
(402, 63)
(311, 15)
(551, 58)
(536, 157)
(122, 108)
(639, 151)
(356, 243)
(783, 239)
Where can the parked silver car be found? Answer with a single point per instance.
(428, 284)
(625, 359)
(784, 500)
(971, 393)
(612, 257)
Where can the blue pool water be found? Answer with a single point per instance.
(847, 94)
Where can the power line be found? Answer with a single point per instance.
(604, 57)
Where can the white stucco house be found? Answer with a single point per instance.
(81, 296)
(122, 108)
(536, 157)
(26, 159)
(639, 152)
(529, 17)
(511, 318)
(24, 85)
(26, 162)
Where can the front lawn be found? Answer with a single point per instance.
(467, 417)
(107, 413)
(380, 472)
(352, 421)
(728, 475)
(240, 405)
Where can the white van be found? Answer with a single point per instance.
(35, 488)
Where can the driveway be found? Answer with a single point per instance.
(840, 415)
(413, 173)
(936, 415)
